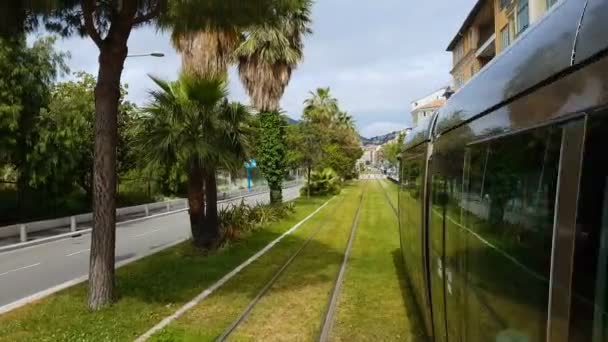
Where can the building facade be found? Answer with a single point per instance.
(426, 106)
(490, 27)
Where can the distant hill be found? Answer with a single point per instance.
(379, 140)
(290, 121)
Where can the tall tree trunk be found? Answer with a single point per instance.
(211, 231)
(113, 51)
(276, 193)
(196, 202)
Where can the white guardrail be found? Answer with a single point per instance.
(76, 222)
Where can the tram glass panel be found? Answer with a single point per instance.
(410, 208)
(589, 303)
(508, 217)
(445, 217)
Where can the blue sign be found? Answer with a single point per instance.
(252, 164)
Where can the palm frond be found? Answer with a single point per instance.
(269, 54)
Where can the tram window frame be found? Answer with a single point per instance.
(418, 155)
(589, 250)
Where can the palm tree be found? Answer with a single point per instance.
(267, 57)
(190, 124)
(344, 120)
(321, 106)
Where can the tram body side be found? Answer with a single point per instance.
(503, 204)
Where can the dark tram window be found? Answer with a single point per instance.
(508, 209)
(588, 316)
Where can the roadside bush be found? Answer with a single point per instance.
(325, 182)
(238, 219)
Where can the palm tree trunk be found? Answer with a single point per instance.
(211, 233)
(196, 202)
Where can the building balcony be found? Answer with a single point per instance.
(487, 50)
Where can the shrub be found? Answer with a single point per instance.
(323, 182)
(238, 219)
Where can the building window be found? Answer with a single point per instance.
(505, 37)
(504, 3)
(523, 16)
(551, 3)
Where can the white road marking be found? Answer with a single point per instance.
(42, 294)
(148, 233)
(78, 252)
(19, 269)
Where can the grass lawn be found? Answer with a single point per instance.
(148, 291)
(374, 304)
(293, 308)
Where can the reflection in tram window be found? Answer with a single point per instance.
(508, 215)
(446, 238)
(589, 319)
(410, 220)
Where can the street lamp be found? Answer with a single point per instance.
(152, 54)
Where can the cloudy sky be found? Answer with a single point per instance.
(376, 56)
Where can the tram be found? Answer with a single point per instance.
(503, 200)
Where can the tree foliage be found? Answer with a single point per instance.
(26, 77)
(63, 152)
(326, 138)
(323, 182)
(269, 54)
(392, 150)
(272, 152)
(190, 125)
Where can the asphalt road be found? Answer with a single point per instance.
(27, 271)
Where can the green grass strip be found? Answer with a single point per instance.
(295, 307)
(148, 291)
(206, 321)
(375, 304)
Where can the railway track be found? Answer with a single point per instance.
(328, 317)
(388, 199)
(335, 293)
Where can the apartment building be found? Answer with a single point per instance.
(427, 105)
(512, 17)
(490, 27)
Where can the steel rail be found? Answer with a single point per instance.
(245, 313)
(335, 294)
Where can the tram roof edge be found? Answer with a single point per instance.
(543, 51)
(420, 133)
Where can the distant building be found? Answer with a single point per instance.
(378, 155)
(368, 154)
(427, 105)
(490, 27)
